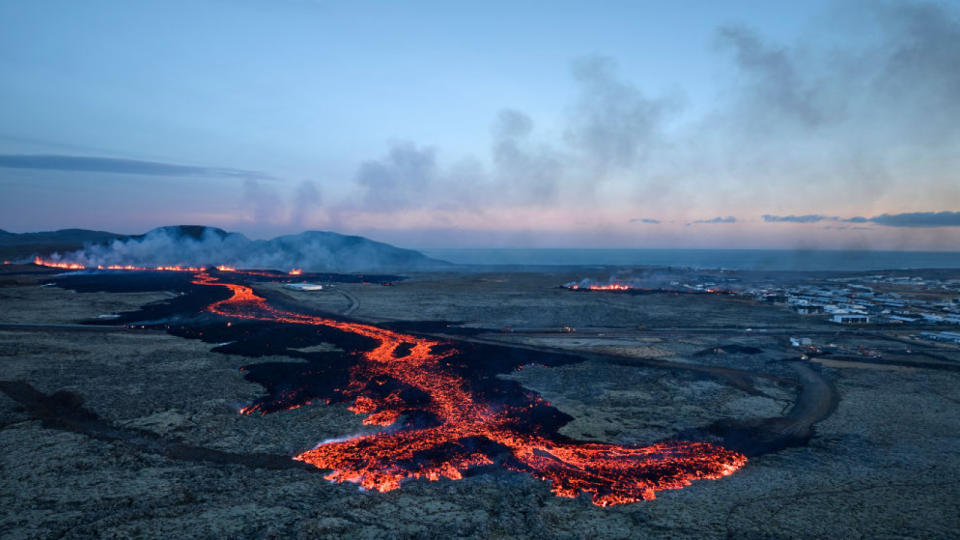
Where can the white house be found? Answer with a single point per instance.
(303, 286)
(850, 318)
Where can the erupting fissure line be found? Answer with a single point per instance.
(162, 268)
(470, 432)
(607, 287)
(77, 266)
(589, 285)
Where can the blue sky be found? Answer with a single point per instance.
(489, 124)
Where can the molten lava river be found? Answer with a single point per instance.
(436, 407)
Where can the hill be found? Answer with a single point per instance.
(198, 245)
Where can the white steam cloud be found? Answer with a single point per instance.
(205, 246)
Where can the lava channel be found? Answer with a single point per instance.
(466, 428)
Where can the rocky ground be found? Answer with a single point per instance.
(158, 447)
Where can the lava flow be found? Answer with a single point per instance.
(607, 287)
(62, 265)
(441, 424)
(637, 287)
(77, 266)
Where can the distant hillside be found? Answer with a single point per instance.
(197, 245)
(195, 232)
(63, 236)
(14, 246)
(353, 251)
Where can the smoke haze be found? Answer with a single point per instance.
(206, 246)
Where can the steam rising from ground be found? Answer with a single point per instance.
(206, 246)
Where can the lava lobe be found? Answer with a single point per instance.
(443, 412)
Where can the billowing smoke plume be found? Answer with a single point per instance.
(207, 246)
(858, 114)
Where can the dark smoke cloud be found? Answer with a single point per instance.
(772, 82)
(900, 86)
(394, 181)
(808, 218)
(262, 203)
(512, 124)
(306, 199)
(919, 74)
(409, 176)
(614, 125)
(119, 166)
(863, 108)
(523, 170)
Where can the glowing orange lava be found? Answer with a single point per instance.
(469, 426)
(607, 287)
(610, 287)
(178, 268)
(53, 264)
(296, 272)
(77, 266)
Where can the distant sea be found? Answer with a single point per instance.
(734, 259)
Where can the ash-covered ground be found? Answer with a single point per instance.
(111, 431)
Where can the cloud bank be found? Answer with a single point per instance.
(907, 219)
(52, 162)
(916, 219)
(808, 218)
(718, 219)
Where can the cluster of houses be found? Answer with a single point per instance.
(855, 301)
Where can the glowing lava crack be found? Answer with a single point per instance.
(467, 429)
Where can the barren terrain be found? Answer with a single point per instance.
(113, 431)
